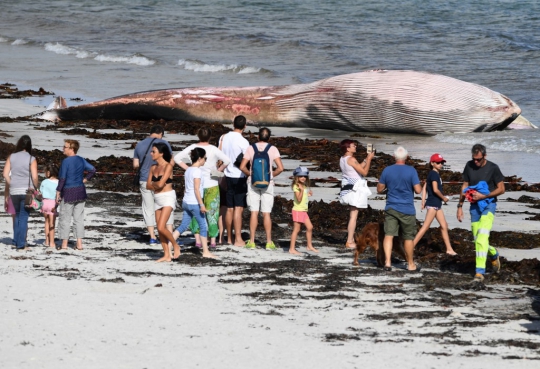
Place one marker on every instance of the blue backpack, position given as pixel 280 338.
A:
pixel 260 169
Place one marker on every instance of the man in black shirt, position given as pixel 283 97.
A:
pixel 488 181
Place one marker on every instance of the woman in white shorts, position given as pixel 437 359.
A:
pixel 160 181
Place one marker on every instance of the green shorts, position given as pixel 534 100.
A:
pixel 394 220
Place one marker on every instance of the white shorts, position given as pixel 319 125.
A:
pixel 164 199
pixel 260 199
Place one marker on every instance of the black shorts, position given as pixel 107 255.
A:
pixel 236 192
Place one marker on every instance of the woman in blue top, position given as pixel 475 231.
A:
pixel 433 204
pixel 71 193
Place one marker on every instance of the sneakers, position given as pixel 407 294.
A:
pixel 478 277
pixel 153 241
pixel 271 246
pixel 250 245
pixel 496 264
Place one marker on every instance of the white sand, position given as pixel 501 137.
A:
pixel 62 310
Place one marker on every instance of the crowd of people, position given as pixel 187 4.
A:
pixel 220 182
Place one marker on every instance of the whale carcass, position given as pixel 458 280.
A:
pixel 373 101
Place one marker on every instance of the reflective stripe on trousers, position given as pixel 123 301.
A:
pixel 481 230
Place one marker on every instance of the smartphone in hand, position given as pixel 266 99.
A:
pixel 369 148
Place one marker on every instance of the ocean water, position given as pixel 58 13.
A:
pixel 99 49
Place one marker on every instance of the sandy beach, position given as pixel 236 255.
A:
pixel 111 305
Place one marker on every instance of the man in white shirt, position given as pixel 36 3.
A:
pixel 233 144
pixel 261 198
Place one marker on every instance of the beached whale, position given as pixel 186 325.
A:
pixel 373 101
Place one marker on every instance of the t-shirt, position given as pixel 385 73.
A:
pixel 141 148
pixel 490 173
pixel 189 177
pixel 48 188
pixel 300 205
pixel 209 169
pixel 232 145
pixel 273 154
pixel 432 199
pixel 400 180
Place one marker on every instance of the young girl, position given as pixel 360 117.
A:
pixel 48 190
pixel 435 197
pixel 192 203
pixel 160 181
pixel 300 215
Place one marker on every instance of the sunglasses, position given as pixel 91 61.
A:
pixel 478 159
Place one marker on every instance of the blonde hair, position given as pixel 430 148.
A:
pixel 73 144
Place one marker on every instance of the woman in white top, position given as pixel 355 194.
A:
pixel 210 175
pixel 20 173
pixel 354 189
pixel 192 203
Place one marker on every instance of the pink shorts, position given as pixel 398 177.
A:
pixel 49 207
pixel 299 216
pixel 10 207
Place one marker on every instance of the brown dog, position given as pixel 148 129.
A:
pixel 373 235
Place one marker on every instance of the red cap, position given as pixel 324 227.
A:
pixel 437 158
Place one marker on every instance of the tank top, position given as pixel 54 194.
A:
pixel 347 170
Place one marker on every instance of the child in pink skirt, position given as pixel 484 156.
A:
pixel 300 215
pixel 48 190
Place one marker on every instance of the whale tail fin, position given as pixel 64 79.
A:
pixel 58 103
pixel 50 114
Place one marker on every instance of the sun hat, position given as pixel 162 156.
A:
pixel 301 171
pixel 437 158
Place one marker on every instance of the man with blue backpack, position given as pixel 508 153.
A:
pixel 262 156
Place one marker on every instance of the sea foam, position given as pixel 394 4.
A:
pixel 199 66
pixel 134 59
pixel 19 42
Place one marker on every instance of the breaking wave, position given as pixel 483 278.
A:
pixel 199 66
pixel 67 50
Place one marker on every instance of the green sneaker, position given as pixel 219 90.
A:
pixel 271 246
pixel 250 245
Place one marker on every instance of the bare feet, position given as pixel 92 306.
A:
pixel 311 248
pixel 209 255
pixel 176 254
pixel 350 245
pixel 163 259
pixel 294 252
pixel 453 253
pixel 240 244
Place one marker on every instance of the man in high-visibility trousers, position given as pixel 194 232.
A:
pixel 485 182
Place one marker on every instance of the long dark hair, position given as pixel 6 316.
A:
pixel 163 149
pixel 197 153
pixel 24 143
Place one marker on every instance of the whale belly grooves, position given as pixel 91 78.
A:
pixel 398 101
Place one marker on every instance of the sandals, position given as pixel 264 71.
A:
pixel 348 245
